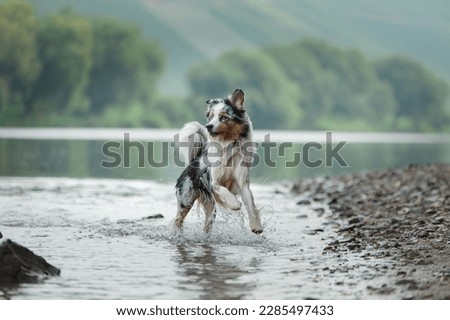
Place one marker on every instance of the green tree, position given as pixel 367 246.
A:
pixel 125 65
pixel 19 62
pixel 421 96
pixel 272 100
pixel 305 71
pixel 337 84
pixel 65 49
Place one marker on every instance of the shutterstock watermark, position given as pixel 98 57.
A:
pixel 268 153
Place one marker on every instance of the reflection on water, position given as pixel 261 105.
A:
pixel 200 266
pixel 72 158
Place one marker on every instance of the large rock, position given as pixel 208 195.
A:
pixel 20 265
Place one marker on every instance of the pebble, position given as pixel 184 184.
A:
pixel 423 262
pixel 438 220
pixel 304 202
pixel 355 220
pixel 423 234
pixel 406 282
pixel 155 216
pixel 319 210
pixel 353 246
pixel 404 211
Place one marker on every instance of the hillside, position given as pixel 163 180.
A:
pixel 193 31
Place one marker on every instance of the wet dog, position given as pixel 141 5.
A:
pixel 218 158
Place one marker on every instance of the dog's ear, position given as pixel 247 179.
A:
pixel 237 99
pixel 209 103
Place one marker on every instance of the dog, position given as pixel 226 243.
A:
pixel 218 158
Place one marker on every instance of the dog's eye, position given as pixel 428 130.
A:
pixel 223 118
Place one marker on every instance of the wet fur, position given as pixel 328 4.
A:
pixel 228 129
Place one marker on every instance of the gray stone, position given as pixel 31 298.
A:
pixel 155 216
pixel 20 265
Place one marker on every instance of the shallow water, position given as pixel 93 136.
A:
pixel 92 229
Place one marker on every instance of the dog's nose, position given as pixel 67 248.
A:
pixel 209 127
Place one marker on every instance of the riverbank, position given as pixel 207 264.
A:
pixel 402 215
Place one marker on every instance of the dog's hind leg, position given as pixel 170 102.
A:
pixel 210 212
pixel 185 199
pixel 181 214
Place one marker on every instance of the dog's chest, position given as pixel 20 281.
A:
pixel 223 165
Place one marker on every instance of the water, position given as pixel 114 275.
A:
pixel 79 153
pixel 58 201
pixel 93 230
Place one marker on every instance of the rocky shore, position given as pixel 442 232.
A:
pixel 402 215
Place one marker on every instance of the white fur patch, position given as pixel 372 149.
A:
pixel 191 138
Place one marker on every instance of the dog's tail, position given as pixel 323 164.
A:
pixel 190 141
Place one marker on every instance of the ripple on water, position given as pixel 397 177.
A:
pixel 93 230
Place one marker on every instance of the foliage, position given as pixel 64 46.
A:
pixel 64 66
pixel 65 50
pixel 68 70
pixel 340 89
pixel 337 83
pixel 272 99
pixel 124 65
pixel 420 95
pixel 19 62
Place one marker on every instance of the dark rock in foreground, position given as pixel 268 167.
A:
pixel 20 265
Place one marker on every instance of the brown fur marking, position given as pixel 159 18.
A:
pixel 227 182
pixel 229 131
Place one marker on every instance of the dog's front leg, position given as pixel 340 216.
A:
pixel 253 213
pixel 222 195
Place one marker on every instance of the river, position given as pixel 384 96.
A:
pixel 91 223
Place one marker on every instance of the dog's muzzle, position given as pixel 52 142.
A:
pixel 209 127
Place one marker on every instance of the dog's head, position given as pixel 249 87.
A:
pixel 226 118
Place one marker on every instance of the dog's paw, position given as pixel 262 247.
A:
pixel 257 231
pixel 255 225
pixel 232 202
pixel 235 204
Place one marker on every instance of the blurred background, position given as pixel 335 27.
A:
pixel 335 65
pixel 348 65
